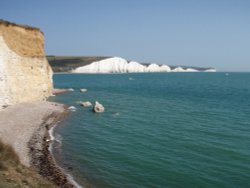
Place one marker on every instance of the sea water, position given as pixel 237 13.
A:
pixel 158 130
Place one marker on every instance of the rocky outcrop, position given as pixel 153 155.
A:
pixel 98 108
pixel 57 91
pixel 25 75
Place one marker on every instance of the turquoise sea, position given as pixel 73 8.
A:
pixel 159 130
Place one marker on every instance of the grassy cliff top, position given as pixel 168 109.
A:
pixel 68 63
pixel 24 40
pixel 7 23
pixel 14 174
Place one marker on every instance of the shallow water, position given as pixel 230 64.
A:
pixel 158 130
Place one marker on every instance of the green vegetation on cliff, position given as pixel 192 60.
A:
pixel 14 174
pixel 68 63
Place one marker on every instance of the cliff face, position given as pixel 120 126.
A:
pixel 25 75
pixel 120 65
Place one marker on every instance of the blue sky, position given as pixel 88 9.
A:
pixel 179 32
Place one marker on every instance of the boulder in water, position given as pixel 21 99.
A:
pixel 86 104
pixel 72 108
pixel 98 108
pixel 61 91
pixel 83 90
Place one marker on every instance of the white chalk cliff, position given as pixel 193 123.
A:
pixel 120 65
pixel 210 70
pixel 25 75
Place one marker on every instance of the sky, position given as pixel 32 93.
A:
pixel 203 33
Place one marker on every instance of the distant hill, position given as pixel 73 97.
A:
pixel 68 63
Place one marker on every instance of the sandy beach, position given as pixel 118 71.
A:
pixel 25 127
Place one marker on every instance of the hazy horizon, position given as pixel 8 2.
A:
pixel 191 33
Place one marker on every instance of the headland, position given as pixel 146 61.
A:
pixel 25 115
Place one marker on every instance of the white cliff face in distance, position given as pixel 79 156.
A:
pixel 120 65
pixel 210 70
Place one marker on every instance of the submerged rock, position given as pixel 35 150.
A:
pixel 130 78
pixel 72 108
pixel 98 108
pixel 83 90
pixel 79 102
pixel 56 91
pixel 86 104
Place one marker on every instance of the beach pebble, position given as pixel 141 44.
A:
pixel 98 108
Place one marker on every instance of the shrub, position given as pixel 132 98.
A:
pixel 7 153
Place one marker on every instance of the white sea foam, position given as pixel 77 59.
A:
pixel 72 108
pixel 58 139
pixel 72 181
pixel 51 138
pixel 51 133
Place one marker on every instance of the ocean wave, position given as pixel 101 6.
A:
pixel 55 137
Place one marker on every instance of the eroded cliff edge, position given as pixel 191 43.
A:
pixel 25 75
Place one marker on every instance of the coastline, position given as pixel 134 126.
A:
pixel 51 150
pixel 26 127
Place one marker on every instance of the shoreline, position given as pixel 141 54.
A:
pixel 26 128
pixel 41 156
pixel 50 148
